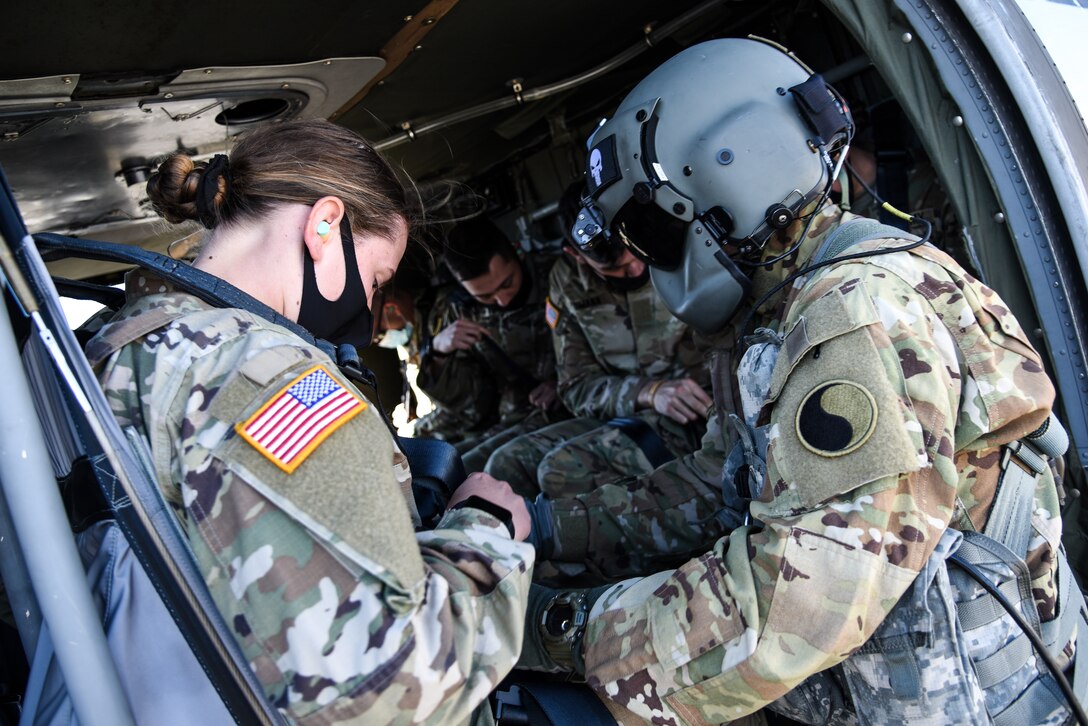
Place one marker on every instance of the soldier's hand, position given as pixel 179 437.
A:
pixel 544 396
pixel 683 401
pixel 458 335
pixel 498 493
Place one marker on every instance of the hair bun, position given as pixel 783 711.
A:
pixel 175 191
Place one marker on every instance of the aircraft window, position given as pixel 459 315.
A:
pixel 248 112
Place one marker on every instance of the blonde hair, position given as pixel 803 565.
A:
pixel 297 162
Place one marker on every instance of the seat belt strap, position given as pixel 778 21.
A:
pixel 560 704
pixel 1033 706
pixel 1009 521
pixel 207 287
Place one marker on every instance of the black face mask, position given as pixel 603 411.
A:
pixel 346 319
pixel 628 284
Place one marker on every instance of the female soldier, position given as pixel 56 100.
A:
pixel 290 488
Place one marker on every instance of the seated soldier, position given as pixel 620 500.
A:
pixel 627 368
pixel 490 364
pixel 403 322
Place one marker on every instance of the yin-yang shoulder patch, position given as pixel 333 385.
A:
pixel 836 418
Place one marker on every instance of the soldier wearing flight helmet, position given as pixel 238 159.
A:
pixel 881 401
pixel 632 374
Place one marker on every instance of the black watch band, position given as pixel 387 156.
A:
pixel 501 513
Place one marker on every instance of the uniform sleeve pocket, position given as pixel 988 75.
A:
pixel 696 614
pixel 825 318
pixel 839 424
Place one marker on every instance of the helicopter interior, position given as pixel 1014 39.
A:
pixel 486 107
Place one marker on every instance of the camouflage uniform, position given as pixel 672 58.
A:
pixel 343 611
pixel 932 374
pixel 608 346
pixel 477 389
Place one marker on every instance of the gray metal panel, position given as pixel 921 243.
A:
pixel 1048 108
pixel 66 141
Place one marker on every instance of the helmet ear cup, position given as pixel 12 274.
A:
pixel 779 216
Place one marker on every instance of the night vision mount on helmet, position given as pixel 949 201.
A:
pixel 719 147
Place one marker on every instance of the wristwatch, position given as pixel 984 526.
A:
pixel 562 625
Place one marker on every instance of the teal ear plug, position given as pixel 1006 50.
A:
pixel 323 229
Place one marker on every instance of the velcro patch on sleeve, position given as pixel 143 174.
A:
pixel 828 317
pixel 551 313
pixel 839 423
pixel 292 424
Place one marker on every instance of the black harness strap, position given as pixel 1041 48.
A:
pixel 547 703
pixel 198 283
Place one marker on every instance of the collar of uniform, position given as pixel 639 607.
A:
pixel 583 274
pixel 592 287
pixel 763 279
pixel 142 282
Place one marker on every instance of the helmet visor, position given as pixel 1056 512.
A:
pixel 605 250
pixel 652 234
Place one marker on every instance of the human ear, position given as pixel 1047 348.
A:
pixel 327 210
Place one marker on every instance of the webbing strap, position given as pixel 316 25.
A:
pixel 198 283
pixel 1043 696
pixel 1009 521
pixel 1008 661
pixel 1051 439
pixel 981 551
pixel 568 703
pixel 212 290
pixel 118 337
pixel 1072 617
pixel 984 610
pixel 1059 631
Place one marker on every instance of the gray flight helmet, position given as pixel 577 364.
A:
pixel 713 148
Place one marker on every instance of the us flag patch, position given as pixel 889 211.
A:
pixel 297 419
